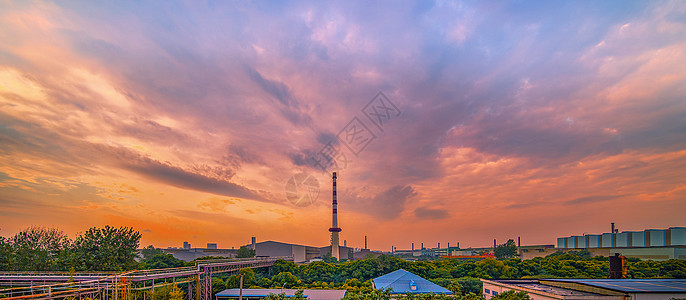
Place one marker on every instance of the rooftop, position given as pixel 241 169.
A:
pixel 633 285
pixel 401 282
pixel 261 293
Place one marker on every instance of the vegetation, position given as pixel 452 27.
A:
pixel 245 252
pixel 49 249
pixel 507 250
pixel 114 249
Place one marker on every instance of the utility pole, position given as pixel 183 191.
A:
pixel 240 291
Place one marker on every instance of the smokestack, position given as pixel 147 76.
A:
pixel 345 243
pixel 519 246
pixel 494 244
pixel 458 245
pixel 448 245
pixel 422 246
pixel 412 246
pixel 254 241
pixel 334 222
pixel 365 242
pixel 439 245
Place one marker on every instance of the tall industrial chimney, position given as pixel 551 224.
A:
pixel 412 246
pixel 334 223
pixel 365 242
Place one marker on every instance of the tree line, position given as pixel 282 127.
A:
pixel 49 249
pixel 116 249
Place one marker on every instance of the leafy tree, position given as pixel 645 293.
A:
pixel 512 295
pixel 233 282
pixel 150 251
pixel 5 254
pixel 283 266
pixel 107 249
pixel 218 285
pixel 328 258
pixel 507 250
pixel 162 261
pixel 169 292
pixel 286 279
pixel 38 249
pixel 245 252
pixel 470 285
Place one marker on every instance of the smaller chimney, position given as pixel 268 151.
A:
pixel 254 241
pixel 439 245
pixel 365 242
pixel 422 246
pixel 412 246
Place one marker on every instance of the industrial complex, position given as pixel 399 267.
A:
pixel 653 244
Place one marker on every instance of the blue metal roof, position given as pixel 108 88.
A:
pixel 633 285
pixel 401 282
pixel 261 293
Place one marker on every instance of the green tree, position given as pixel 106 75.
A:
pixel 218 285
pixel 328 258
pixel 507 250
pixel 5 254
pixel 169 292
pixel 162 261
pixel 38 249
pixel 285 279
pixel 107 249
pixel 150 251
pixel 245 252
pixel 233 282
pixel 281 265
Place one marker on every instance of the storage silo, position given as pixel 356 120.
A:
pixel 562 242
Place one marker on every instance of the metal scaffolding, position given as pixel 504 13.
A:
pixel 126 285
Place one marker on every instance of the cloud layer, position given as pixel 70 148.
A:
pixel 186 120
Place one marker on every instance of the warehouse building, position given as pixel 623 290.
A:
pixel 590 289
pixel 252 294
pixel 653 244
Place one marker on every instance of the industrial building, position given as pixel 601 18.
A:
pixel 189 254
pixel 653 244
pixel 249 294
pixel 591 289
pixel 300 253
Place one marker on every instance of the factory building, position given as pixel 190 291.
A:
pixel 300 253
pixel 189 254
pixel 653 244
pixel 591 289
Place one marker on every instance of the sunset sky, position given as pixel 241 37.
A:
pixel 186 120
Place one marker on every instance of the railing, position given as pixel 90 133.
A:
pixel 106 285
